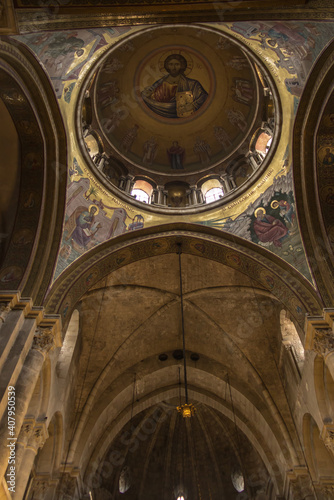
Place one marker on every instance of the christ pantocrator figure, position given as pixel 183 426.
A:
pixel 175 95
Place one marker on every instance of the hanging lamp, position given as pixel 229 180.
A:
pixel 187 410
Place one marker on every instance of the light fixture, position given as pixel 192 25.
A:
pixel 187 410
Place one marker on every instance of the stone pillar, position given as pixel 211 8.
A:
pixel 36 439
pixel 154 197
pixel 193 195
pixel 231 181
pixel 225 183
pixel 129 181
pixel 320 337
pixel 101 162
pixel 252 157
pixel 251 161
pixel 43 341
pixel 266 127
pixel 160 195
pixel 200 197
pixel 121 183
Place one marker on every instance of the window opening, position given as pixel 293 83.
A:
pixel 140 195
pixel 213 195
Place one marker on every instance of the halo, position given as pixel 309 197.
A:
pixel 260 209
pixel 274 204
pixel 97 208
pixel 186 55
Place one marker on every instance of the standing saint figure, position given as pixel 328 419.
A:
pixel 129 139
pixel 176 156
pixel 150 151
pixel 222 137
pixel 175 95
pixel 203 150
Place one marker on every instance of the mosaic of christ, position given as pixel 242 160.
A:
pixel 175 95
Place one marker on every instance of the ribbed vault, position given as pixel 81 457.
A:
pixel 131 317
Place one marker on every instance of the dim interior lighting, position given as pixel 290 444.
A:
pixel 181 497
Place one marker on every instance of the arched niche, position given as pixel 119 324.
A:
pixel 31 249
pixel 319 459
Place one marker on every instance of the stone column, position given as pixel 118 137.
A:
pixel 43 341
pixel 121 183
pixel 101 162
pixel 160 195
pixel 225 183
pixel 320 338
pixel 253 161
pixel 129 181
pixel 200 197
pixel 36 440
pixel 193 195
pixel 266 127
pixel 231 181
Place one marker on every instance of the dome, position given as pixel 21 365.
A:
pixel 176 107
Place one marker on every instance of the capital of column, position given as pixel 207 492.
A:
pixel 67 486
pixel 319 334
pixel 43 340
pixel 328 489
pixel 38 436
pixel 299 483
pixel 323 342
pixel 4 310
pixel 40 486
pixel 327 435
pixel 26 431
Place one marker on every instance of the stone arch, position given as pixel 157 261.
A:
pixel 69 345
pixel 26 91
pixel 270 457
pixel 281 280
pixel 319 250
